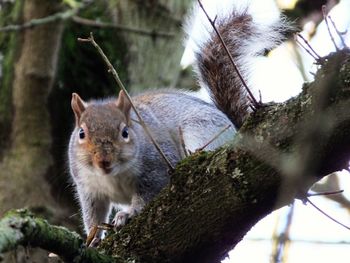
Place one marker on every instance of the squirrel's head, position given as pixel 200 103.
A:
pixel 104 138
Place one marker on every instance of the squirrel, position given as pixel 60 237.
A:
pixel 111 158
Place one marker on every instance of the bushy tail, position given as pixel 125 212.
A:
pixel 248 31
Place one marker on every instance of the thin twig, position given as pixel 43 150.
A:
pixel 340 34
pixel 251 107
pixel 325 193
pixel 308 51
pixel 145 32
pixel 325 214
pixel 132 119
pixel 121 85
pixel 324 12
pixel 74 215
pixel 105 226
pixel 281 248
pixel 91 235
pixel 94 230
pixel 260 97
pixel 314 55
pixel 182 142
pixel 213 139
pixel 212 22
pixel 321 242
pixel 60 16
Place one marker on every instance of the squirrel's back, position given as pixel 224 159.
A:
pixel 173 110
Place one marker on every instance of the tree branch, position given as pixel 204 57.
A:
pixel 45 20
pixel 21 228
pixel 72 14
pixel 140 31
pixel 215 198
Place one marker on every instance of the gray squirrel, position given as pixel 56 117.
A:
pixel 112 160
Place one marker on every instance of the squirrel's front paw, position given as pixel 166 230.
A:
pixel 121 218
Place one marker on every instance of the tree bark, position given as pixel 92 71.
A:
pixel 9 13
pixel 214 198
pixel 25 163
pixel 21 227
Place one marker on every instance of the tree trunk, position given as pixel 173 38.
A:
pixel 9 13
pixel 153 61
pixel 25 163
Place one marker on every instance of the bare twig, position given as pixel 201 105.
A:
pixel 182 141
pixel 94 231
pixel 121 85
pixel 340 34
pixel 144 32
pixel 299 60
pixel 260 97
pixel 214 138
pixel 283 241
pixel 256 104
pixel 105 226
pixel 325 214
pixel 135 120
pixel 72 14
pixel 91 235
pixel 45 20
pixel 325 193
pixel 325 16
pixel 311 51
pixel 306 241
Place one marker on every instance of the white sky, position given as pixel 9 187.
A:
pixel 279 78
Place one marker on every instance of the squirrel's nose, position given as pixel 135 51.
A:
pixel 105 165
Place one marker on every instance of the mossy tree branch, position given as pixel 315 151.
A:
pixel 21 228
pixel 214 198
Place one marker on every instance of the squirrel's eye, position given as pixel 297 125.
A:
pixel 81 134
pixel 125 133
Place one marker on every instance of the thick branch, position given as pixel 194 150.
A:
pixel 215 198
pixel 21 228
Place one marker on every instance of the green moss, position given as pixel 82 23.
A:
pixel 20 227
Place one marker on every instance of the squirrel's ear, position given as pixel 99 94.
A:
pixel 124 105
pixel 78 106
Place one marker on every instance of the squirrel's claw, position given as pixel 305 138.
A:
pixel 120 219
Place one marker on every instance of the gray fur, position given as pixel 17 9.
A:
pixel 109 169
pixel 144 173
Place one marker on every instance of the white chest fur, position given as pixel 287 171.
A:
pixel 118 188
